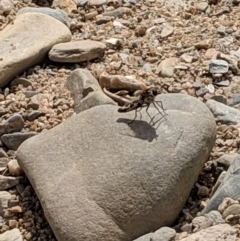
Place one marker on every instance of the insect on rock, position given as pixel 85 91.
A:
pixel 146 98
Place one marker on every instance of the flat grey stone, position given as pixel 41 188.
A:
pixel 34 115
pixel 223 83
pixel 30 94
pixel 202 91
pixel 7 182
pixel 93 99
pixel 86 91
pixel 55 13
pixel 21 81
pixel 217 66
pixel 103 19
pixel 27 42
pixel 220 98
pixel 76 51
pixel 234 100
pixel 226 160
pixel 122 180
pixel 12 124
pixel 223 113
pixel 14 140
pixel 230 187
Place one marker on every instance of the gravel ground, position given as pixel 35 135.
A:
pixel 147 33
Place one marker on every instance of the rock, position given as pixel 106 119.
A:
pixel 118 173
pixel 113 42
pixel 3 153
pixel 11 235
pixel 2 111
pixel 202 6
pixel 186 58
pixel 7 182
pixel 4 199
pixel 220 232
pixel 234 100
pixel 40 101
pixel 5 7
pixel 234 209
pixel 97 3
pixel 66 5
pixel 229 187
pixel 146 237
pixel 167 31
pixel 119 12
pixel 12 223
pixel 12 124
pixel 21 81
pixel 221 30
pixel 159 20
pixel 14 140
pixel 55 13
pixel 77 51
pixel 223 112
pixel 14 168
pixel 119 82
pixel 220 98
pixel 15 209
pixel 34 115
pixel 205 44
pixel 90 15
pixel 86 91
pixel 30 94
pixel 201 222
pixel 215 216
pixel 226 160
pixel 3 163
pixel 232 61
pixel 164 234
pixel 166 67
pixel 28 43
pixel 223 83
pixel 103 19
pixel 211 53
pixel 217 66
pixel 140 30
pixel 201 92
pixel 93 99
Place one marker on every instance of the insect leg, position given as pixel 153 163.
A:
pixel 136 111
pixel 159 103
pixel 159 110
pixel 151 118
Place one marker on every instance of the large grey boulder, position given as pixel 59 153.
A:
pixel 27 42
pixel 100 179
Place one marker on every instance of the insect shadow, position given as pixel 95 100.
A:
pixel 142 129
